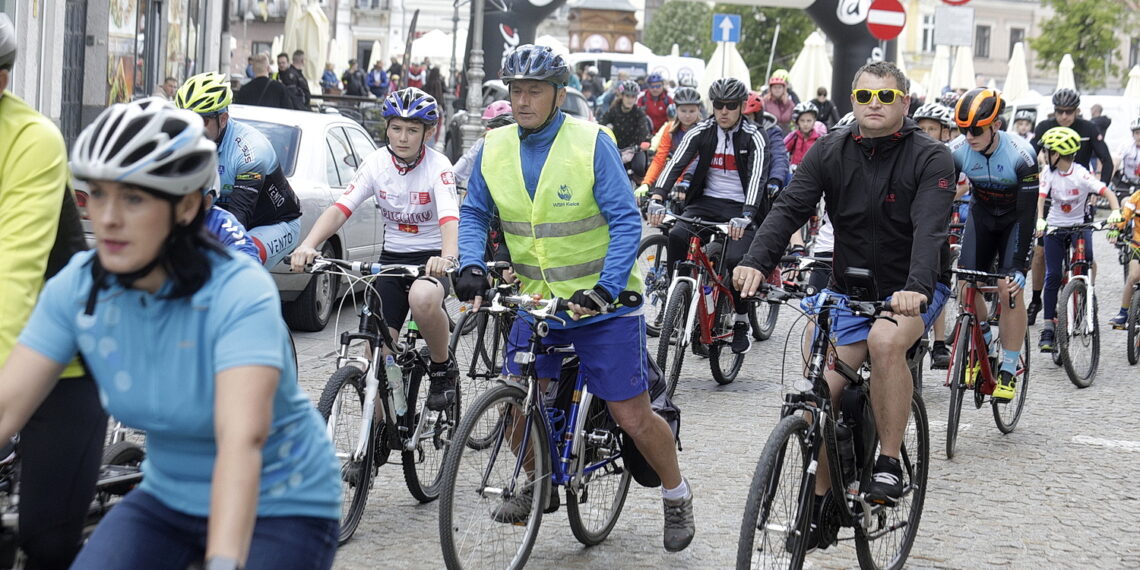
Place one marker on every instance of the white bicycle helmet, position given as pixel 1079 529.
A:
pixel 147 143
pixel 936 112
pixel 848 119
pixel 1135 125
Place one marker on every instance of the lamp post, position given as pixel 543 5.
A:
pixel 473 128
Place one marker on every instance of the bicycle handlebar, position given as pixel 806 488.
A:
pixel 873 309
pixel 322 264
pixel 974 275
pixel 720 227
pixel 545 308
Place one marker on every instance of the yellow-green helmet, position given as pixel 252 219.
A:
pixel 205 93
pixel 1062 140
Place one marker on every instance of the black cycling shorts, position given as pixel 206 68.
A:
pixel 394 290
pixel 987 237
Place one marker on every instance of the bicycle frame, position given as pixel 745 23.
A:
pixel 1076 265
pixel 978 355
pixel 696 260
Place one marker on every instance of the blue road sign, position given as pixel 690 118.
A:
pixel 726 28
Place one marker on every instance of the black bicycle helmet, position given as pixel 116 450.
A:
pixel 501 120
pixel 728 89
pixel 628 87
pixel 538 63
pixel 1067 98
pixel 687 96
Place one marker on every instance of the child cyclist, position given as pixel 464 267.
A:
pixel 688 102
pixel 800 140
pixel 1131 214
pixel 1069 186
pixel 414 188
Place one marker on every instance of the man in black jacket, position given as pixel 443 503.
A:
pixel 726 186
pixel 263 90
pixel 1066 103
pixel 888 190
pixel 293 77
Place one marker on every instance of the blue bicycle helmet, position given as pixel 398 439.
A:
pixel 654 78
pixel 414 104
pixel 538 63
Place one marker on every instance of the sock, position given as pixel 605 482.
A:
pixel 888 463
pixel 987 334
pixel 681 492
pixel 1036 296
pixel 1009 360
pixel 741 318
pixel 1050 324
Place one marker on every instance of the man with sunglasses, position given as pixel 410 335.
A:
pixel 1003 210
pixel 888 189
pixel 655 101
pixel 726 186
pixel 253 186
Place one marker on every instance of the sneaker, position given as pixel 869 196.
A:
pixel 741 337
pixel 1120 320
pixel 1005 389
pixel 939 356
pixel 887 483
pixel 516 510
pixel 1046 342
pixel 679 524
pixel 1032 309
pixel 699 349
pixel 442 378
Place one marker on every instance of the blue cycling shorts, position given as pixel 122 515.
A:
pixel 612 354
pixel 847 328
pixel 275 241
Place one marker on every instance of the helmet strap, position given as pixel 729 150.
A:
pixel 403 166
pixel 993 142
pixel 127 280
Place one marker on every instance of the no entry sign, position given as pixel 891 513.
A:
pixel 885 19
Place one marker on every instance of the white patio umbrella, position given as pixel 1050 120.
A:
pixel 962 76
pixel 811 69
pixel 337 56
pixel 725 62
pixel 939 75
pixel 376 56
pixel 1065 79
pixel 293 14
pixel 312 33
pixel 1132 89
pixel 1017 76
pixel 275 49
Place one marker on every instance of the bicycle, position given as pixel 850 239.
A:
pixel 974 366
pixel 363 434
pixel 711 311
pixel 1078 325
pixel 1133 326
pixel 781 497
pixel 536 439
pixel 479 339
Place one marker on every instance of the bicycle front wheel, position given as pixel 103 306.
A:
pixel 653 259
pixel 1133 325
pixel 491 499
pixel 778 511
pixel 725 363
pixel 342 407
pixel 763 318
pixel 1007 413
pixel 959 378
pixel 594 501
pixel 432 431
pixel 1078 334
pixel 673 335
pixel 887 541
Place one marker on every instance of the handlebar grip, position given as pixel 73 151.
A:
pixel 922 307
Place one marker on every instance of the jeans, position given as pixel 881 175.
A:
pixel 275 241
pixel 1056 243
pixel 141 532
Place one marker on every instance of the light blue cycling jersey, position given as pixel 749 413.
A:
pixel 224 226
pixel 243 149
pixel 155 361
pixel 997 179
pixel 252 185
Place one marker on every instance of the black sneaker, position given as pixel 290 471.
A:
pixel 1032 309
pixel 939 356
pixel 1047 340
pixel 741 337
pixel 442 377
pixel 814 539
pixel 887 483
pixel 699 349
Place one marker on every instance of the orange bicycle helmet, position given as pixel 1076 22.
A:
pixel 978 107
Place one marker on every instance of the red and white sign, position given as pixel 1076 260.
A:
pixel 955 2
pixel 885 19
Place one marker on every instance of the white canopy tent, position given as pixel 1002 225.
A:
pixel 812 68
pixel 962 76
pixel 939 75
pixel 1017 76
pixel 725 62
pixel 1065 79
pixel 1132 89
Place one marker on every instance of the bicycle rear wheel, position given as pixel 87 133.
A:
pixel 1006 414
pixel 422 464
pixel 762 317
pixel 886 543
pixel 673 335
pixel 478 484
pixel 778 511
pixel 1078 339
pixel 725 363
pixel 595 500
pixel 342 407
pixel 959 375
pixel 1133 325
pixel 653 259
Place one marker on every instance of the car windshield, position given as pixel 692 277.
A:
pixel 285 140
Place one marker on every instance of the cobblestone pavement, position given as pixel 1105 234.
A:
pixel 1056 493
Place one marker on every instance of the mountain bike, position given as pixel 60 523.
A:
pixel 1078 325
pixel 370 410
pixel 1132 325
pixel 538 438
pixel 781 498
pixel 974 366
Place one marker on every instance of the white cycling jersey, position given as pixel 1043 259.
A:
pixel 413 204
pixel 1130 162
pixel 1070 193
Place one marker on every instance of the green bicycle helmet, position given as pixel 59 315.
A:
pixel 1062 140
pixel 205 93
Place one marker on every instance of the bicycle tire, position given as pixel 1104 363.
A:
pixel 655 272
pixel 461 526
pixel 959 368
pixel 594 504
pixel 1073 313
pixel 881 551
pixel 1007 414
pixel 725 364
pixel 469 344
pixel 763 329
pixel 422 465
pixel 673 335
pixel 1133 326
pixel 781 514
pixel 356 476
pixel 125 453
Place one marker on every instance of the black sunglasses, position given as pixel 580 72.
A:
pixel 730 105
pixel 975 131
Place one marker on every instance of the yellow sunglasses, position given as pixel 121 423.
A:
pixel 885 96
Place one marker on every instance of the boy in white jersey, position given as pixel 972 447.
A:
pixel 414 187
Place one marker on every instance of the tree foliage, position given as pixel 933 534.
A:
pixel 759 25
pixel 676 22
pixel 1084 29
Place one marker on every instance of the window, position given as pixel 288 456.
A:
pixel 361 143
pixel 928 33
pixel 982 41
pixel 1134 52
pixel 1016 36
pixel 342 158
pixel 263 47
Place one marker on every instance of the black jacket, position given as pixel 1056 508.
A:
pixel 1092 142
pixel 749 144
pixel 297 86
pixel 828 114
pixel 888 198
pixel 265 92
